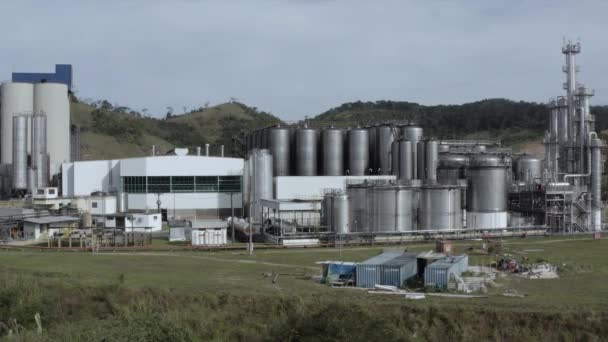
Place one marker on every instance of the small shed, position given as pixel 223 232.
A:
pixel 179 230
pixel 37 227
pixel 209 232
pixel 389 268
pixel 439 274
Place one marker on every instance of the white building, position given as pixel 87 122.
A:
pixel 181 186
pixel 209 233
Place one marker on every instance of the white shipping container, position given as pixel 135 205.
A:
pixel 209 237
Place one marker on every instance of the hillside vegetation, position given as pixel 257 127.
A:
pixel 510 121
pixel 109 131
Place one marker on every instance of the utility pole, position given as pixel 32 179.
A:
pixel 232 219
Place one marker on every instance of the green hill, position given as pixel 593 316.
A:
pixel 117 132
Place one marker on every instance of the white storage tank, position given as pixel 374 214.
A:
pixel 52 99
pixel 16 99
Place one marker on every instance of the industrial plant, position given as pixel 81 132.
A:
pixel 298 185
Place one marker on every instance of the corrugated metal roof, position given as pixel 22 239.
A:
pixel 51 219
pixel 448 261
pixel 402 259
pixel 381 258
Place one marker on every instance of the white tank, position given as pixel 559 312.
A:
pixel 52 100
pixel 15 99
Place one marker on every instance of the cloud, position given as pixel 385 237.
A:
pixel 297 58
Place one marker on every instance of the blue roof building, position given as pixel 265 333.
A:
pixel 62 74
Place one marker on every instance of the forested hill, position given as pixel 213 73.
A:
pixel 508 120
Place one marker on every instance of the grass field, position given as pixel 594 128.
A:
pixel 183 292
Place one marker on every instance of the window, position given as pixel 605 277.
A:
pixel 159 184
pixel 40 192
pixel 93 205
pixel 206 184
pixel 134 184
pixel 182 184
pixel 155 218
pixel 51 191
pixel 230 183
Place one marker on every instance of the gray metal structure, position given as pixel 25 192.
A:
pixel 40 157
pixel 528 169
pixel 358 207
pixel 406 163
pixel 340 214
pixel 306 151
pixel 358 152
pixel 414 134
pixel 20 175
pixel 332 155
pixel 451 167
pixel 487 188
pixel 279 144
pixel 440 208
pixel 384 140
pixel 431 158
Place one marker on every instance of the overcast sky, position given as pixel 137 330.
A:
pixel 302 57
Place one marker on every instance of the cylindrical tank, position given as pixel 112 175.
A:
pixel 279 146
pixel 373 151
pixel 31 180
pixel 444 148
pixel 265 139
pixel 359 211
pixel 405 160
pixel 332 140
pixel 420 155
pixel 395 158
pixel 554 122
pixel 262 181
pixel 19 158
pixel 16 99
pixel 39 150
pixel 440 208
pixel 306 152
pixel 383 209
pixel 340 214
pixel 562 120
pixel 414 134
pixel 487 191
pixel 451 167
pixel 327 210
pixel 528 169
pixel 596 183
pixel 358 152
pixel 384 139
pixel 52 99
pixel 407 199
pixel 431 157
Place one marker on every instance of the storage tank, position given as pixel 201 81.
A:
pixel 451 167
pixel 327 210
pixel 406 163
pixel 358 152
pixel 340 221
pixel 19 153
pixel 487 192
pixel 407 200
pixel 15 99
pixel 51 99
pixel 359 212
pixel 414 134
pixel 31 181
pixel 421 159
pixel 39 150
pixel 395 158
pixel 528 169
pixel 383 209
pixel 384 140
pixel 280 148
pixel 306 151
pixel 332 153
pixel 262 181
pixel 431 158
pixel 440 208
pixel 373 151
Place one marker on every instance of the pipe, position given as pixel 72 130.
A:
pixel 207 150
pixel 221 150
pixel 198 151
pixel 153 150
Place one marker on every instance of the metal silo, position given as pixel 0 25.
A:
pixel 52 100
pixel 332 152
pixel 358 152
pixel 262 181
pixel 451 167
pixel 487 192
pixel 15 99
pixel 373 152
pixel 405 160
pixel 359 211
pixel 440 208
pixel 383 208
pixel 528 169
pixel 384 139
pixel 39 150
pixel 280 148
pixel 306 151
pixel 420 160
pixel 431 156
pixel 31 180
pixel 395 158
pixel 19 153
pixel 327 210
pixel 340 214
pixel 414 134
pixel 407 199
pixel 444 148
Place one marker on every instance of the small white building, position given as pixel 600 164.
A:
pixel 42 227
pixel 209 233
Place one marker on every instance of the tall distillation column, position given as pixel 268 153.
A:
pixel 570 50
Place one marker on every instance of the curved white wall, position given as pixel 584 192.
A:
pixel 15 99
pixel 52 99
